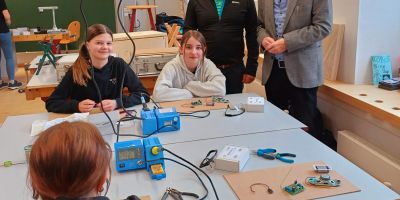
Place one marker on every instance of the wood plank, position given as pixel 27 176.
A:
pixel 39 37
pixel 141 6
pixel 332 47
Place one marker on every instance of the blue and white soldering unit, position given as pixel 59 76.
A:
pixel 138 154
pixel 160 120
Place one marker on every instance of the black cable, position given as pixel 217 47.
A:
pixel 121 95
pixel 107 187
pixel 123 28
pixel 123 75
pixel 242 110
pixel 84 18
pixel 91 67
pixel 194 114
pixel 209 179
pixel 209 158
pixel 201 181
pixel 144 136
pixel 157 104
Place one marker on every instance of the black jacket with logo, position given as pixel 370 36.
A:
pixel 225 44
pixel 67 95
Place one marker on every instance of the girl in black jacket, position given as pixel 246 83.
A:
pixel 77 92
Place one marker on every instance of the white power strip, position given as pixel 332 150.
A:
pixel 255 104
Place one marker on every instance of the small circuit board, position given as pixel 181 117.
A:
pixel 294 188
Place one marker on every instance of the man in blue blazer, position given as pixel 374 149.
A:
pixel 290 33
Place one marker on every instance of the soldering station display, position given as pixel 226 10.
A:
pixel 129 153
pixel 138 154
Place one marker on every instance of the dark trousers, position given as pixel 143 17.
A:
pixel 301 102
pixel 234 76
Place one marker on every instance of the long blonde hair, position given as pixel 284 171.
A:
pixel 80 72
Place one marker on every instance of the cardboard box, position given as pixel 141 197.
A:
pixel 232 158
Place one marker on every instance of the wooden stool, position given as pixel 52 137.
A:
pixel 141 7
pixel 173 34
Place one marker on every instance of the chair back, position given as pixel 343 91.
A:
pixel 74 29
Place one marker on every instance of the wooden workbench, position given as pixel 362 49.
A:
pixel 42 85
pixel 39 37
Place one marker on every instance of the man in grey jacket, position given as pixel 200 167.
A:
pixel 290 33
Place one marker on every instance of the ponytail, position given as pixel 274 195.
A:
pixel 80 68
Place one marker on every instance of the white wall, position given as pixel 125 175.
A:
pixel 346 12
pixel 122 14
pixel 171 7
pixel 372 27
pixel 378 33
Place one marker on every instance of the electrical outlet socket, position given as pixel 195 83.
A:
pixel 255 104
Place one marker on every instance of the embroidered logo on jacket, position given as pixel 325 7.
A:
pixel 113 81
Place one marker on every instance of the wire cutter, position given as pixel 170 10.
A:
pixel 271 154
pixel 177 195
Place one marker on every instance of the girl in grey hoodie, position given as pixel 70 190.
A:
pixel 189 74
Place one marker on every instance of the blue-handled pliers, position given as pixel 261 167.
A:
pixel 266 153
pixel 271 154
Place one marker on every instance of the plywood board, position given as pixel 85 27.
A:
pixel 145 198
pixel 332 47
pixel 186 105
pixel 279 177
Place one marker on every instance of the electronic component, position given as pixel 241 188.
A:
pixel 138 154
pixel 196 103
pixel 129 155
pixel 323 180
pixel 155 164
pixel 322 168
pixel 294 188
pixel 210 103
pixel 219 100
pixel 160 120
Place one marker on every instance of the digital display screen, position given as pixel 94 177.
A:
pixel 129 153
pixel 168 123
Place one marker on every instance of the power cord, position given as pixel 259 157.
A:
pixel 141 136
pixel 195 114
pixel 201 181
pixel 209 179
pixel 237 111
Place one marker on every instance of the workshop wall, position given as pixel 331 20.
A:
pixel 25 13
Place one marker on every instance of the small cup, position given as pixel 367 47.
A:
pixel 27 150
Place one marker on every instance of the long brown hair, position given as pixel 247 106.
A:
pixel 80 72
pixel 199 37
pixel 68 160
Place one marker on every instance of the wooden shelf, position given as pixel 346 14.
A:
pixel 380 103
